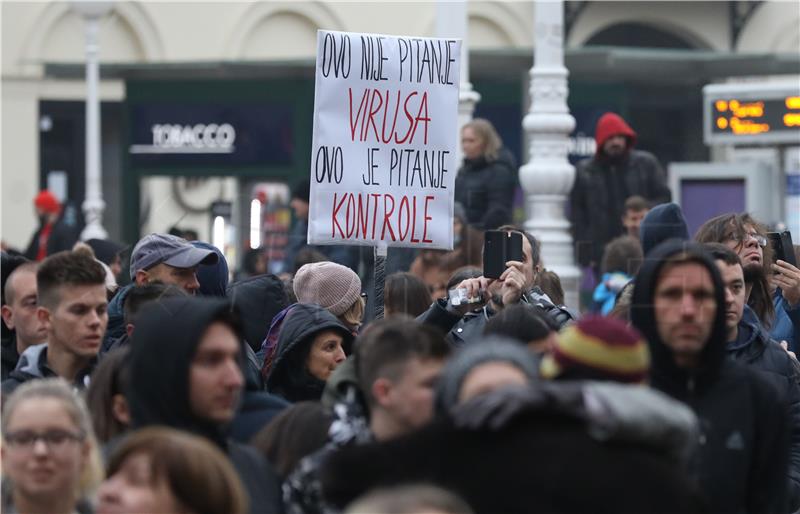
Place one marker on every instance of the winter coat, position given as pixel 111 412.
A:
pixel 742 457
pixel 486 190
pixel 786 326
pixel 287 375
pixel 754 347
pixel 32 364
pixel 545 459
pixel 258 299
pixel 601 187
pixel 163 347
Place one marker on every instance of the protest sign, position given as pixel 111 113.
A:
pixel 385 133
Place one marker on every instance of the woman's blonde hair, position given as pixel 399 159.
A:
pixel 485 131
pixel 58 389
pixel 354 315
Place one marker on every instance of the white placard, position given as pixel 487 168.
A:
pixel 385 133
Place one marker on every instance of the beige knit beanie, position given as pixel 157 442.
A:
pixel 330 285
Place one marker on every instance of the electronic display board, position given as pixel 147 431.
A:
pixel 757 113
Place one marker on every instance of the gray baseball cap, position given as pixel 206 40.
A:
pixel 177 252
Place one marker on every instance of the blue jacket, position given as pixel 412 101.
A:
pixel 787 321
pixel 605 294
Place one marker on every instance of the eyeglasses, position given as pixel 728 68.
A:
pixel 53 439
pixel 761 240
pixel 364 297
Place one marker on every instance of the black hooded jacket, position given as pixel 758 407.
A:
pixel 741 460
pixel 288 376
pixel 258 299
pixel 166 338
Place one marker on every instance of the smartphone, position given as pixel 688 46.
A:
pixel 782 246
pixel 500 247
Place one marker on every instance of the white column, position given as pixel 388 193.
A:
pixel 548 176
pixel 93 205
pixel 452 22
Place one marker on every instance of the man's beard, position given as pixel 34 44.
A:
pixel 753 273
pixel 616 157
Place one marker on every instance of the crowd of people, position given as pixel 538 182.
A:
pixel 677 390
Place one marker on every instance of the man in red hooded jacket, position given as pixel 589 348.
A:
pixel 604 182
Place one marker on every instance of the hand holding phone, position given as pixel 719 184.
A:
pixel 786 274
pixel 782 246
pixel 499 247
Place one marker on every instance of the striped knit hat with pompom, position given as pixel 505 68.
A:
pixel 598 348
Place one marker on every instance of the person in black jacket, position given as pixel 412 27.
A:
pixel 485 183
pixel 186 373
pixel 311 344
pixel 464 323
pixel 741 460
pixel 749 343
pixel 604 182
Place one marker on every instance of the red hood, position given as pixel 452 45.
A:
pixel 611 124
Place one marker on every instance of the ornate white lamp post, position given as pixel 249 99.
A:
pixel 94 205
pixel 548 176
pixel 452 22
